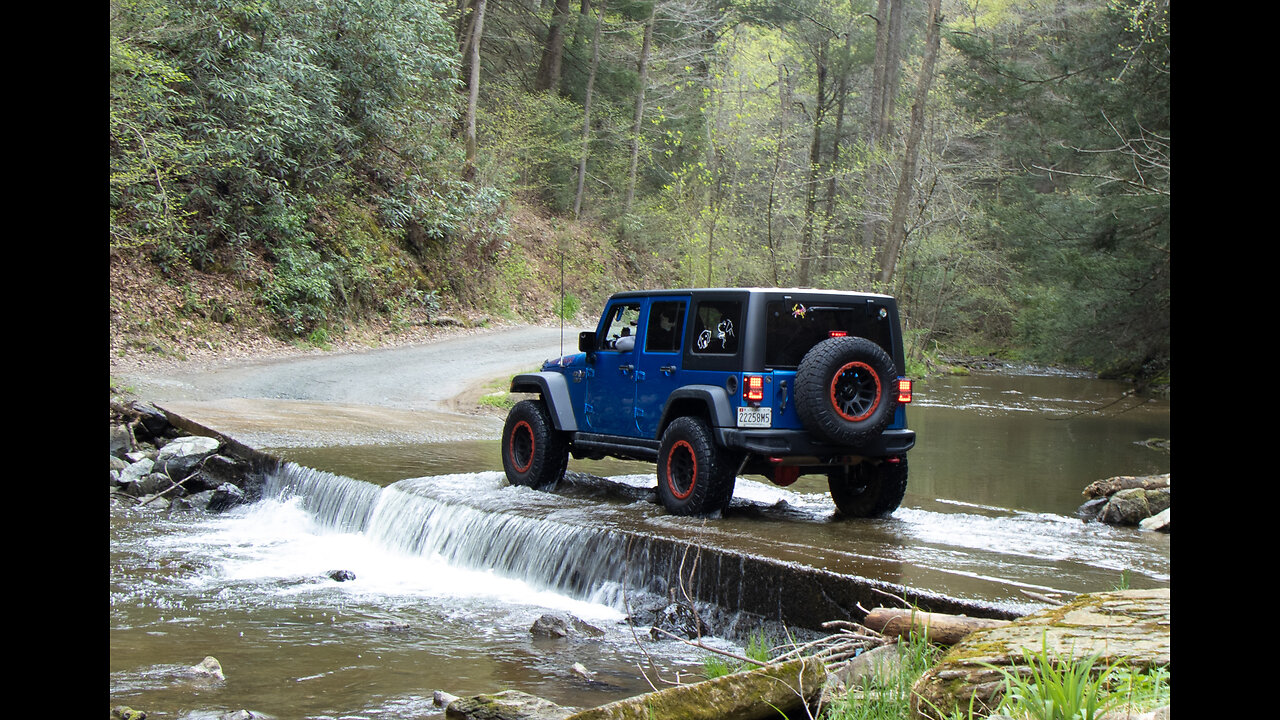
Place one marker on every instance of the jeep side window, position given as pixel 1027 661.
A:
pixel 715 329
pixel 623 318
pixel 666 327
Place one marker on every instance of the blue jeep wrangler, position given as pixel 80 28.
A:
pixel 715 383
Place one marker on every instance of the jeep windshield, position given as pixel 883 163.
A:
pixel 793 326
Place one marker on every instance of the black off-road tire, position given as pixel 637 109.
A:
pixel 534 453
pixel 846 390
pixel 868 489
pixel 695 476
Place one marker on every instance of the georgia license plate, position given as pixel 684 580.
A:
pixel 749 417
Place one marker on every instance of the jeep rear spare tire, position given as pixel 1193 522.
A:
pixel 845 390
pixel 534 453
pixel 695 477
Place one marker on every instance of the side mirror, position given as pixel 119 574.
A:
pixel 586 341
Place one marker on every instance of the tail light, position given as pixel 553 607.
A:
pixel 837 333
pixel 904 390
pixel 753 388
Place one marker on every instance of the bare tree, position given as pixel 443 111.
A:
pixel 586 112
pixel 639 114
pixel 897 233
pixel 473 89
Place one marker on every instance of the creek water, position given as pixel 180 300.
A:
pixel 453 566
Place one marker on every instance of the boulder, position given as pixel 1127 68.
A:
pixel 555 625
pixel 180 458
pixel 1159 521
pixel 1125 626
pixel 680 620
pixel 225 497
pixel 208 667
pixel 121 441
pixel 1132 506
pixel 135 471
pixel 877 667
pixel 151 419
pixel 506 705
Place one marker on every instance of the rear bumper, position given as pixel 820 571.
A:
pixel 776 443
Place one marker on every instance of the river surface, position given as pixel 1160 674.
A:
pixel 443 598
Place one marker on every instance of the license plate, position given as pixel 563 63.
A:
pixel 750 417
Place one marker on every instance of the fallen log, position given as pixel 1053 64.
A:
pixel 759 694
pixel 940 628
pixel 1113 485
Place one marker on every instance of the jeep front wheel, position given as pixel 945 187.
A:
pixel 534 453
pixel 695 477
pixel 868 489
pixel 844 390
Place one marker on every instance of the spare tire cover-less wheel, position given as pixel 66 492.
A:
pixel 695 476
pixel 845 390
pixel 534 453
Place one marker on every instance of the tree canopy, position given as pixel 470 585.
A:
pixel 1002 167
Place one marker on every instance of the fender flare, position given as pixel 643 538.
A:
pixel 713 397
pixel 554 389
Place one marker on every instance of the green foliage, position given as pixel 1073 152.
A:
pixel 759 648
pixel 1080 102
pixel 888 698
pixel 1047 688
pixel 232 121
pixel 567 307
pixel 322 138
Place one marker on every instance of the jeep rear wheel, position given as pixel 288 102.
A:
pixel 695 477
pixel 534 453
pixel 844 390
pixel 868 489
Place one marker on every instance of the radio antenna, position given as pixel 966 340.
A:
pixel 561 313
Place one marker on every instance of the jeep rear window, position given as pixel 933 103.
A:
pixel 793 327
pixel 715 328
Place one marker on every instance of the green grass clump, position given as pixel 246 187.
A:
pixel 889 696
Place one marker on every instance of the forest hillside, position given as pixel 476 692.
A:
pixel 317 171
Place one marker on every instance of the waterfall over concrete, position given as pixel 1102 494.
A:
pixel 477 521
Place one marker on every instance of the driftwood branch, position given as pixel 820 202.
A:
pixel 938 627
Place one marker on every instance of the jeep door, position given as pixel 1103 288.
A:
pixel 658 365
pixel 610 393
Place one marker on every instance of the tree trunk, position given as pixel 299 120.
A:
pixel 548 77
pixel 815 164
pixel 586 113
pixel 942 629
pixel 473 92
pixel 897 234
pixel 884 87
pixel 639 114
pixel 842 92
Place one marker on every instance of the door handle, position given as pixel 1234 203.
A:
pixel 668 369
pixel 626 368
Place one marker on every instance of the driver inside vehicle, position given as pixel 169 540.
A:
pixel 627 342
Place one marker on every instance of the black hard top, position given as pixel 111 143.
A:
pixel 745 290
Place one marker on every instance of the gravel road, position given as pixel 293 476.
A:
pixel 401 394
